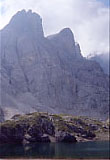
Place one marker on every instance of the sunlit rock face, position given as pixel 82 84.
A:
pixel 48 73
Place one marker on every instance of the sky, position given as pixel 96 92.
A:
pixel 88 19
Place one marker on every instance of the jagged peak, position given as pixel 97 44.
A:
pixel 26 21
pixel 64 34
pixel 25 13
pixel 65 39
pixel 67 33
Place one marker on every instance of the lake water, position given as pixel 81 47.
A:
pixel 57 150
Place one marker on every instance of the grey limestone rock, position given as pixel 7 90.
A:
pixel 48 73
pixel 103 59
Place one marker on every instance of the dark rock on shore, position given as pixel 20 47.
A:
pixel 65 137
pixel 29 139
pixel 11 133
pixel 89 135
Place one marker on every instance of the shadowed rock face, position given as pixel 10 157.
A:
pixel 48 74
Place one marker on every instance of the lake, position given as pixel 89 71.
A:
pixel 57 150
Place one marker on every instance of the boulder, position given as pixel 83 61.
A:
pixel 88 135
pixel 65 137
pixel 45 138
pixel 10 134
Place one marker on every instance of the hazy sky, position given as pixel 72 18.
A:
pixel 88 19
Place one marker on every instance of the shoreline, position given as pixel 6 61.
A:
pixel 83 141
pixel 53 159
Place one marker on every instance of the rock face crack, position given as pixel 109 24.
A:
pixel 23 71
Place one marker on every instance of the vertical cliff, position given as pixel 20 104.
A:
pixel 48 73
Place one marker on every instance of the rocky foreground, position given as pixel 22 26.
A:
pixel 44 127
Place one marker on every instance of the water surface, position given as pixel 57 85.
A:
pixel 57 150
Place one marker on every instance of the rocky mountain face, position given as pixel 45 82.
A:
pixel 48 73
pixel 103 60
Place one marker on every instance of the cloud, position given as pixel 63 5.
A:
pixel 88 19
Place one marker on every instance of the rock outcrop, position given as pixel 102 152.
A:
pixel 44 127
pixel 48 73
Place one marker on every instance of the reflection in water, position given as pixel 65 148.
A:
pixel 56 150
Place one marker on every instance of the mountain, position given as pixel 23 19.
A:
pixel 103 60
pixel 48 73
